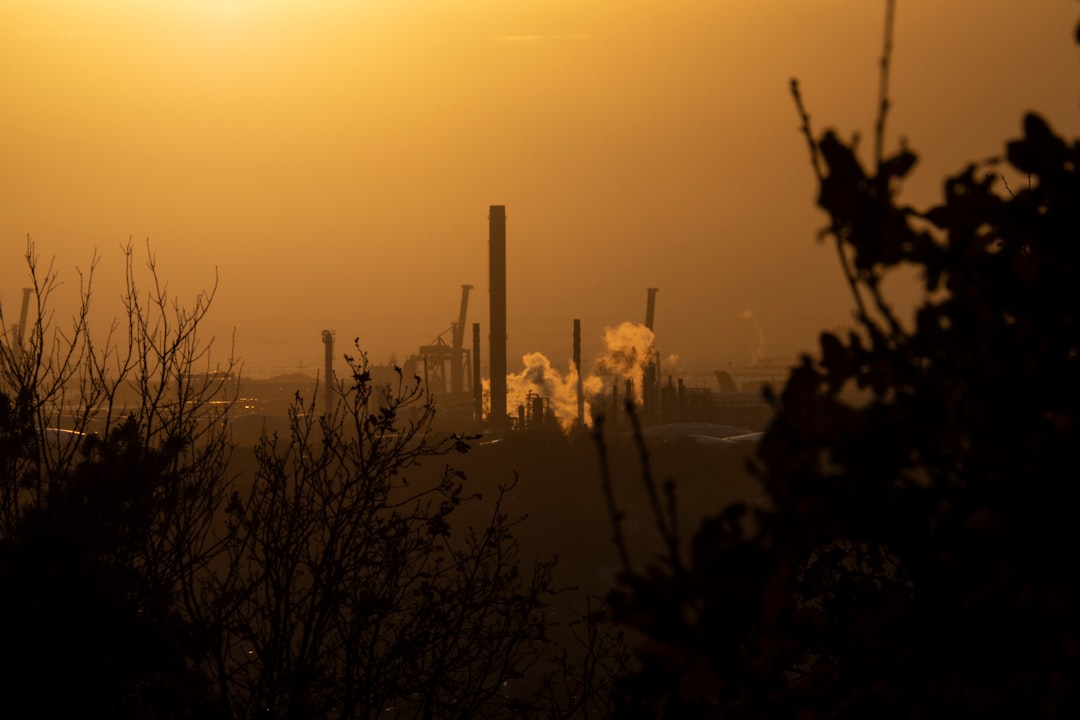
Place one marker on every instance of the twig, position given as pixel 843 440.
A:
pixel 1007 188
pixel 665 524
pixel 819 173
pixel 609 496
pixel 883 87
pixel 815 155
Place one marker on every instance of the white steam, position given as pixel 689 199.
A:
pixel 757 357
pixel 628 348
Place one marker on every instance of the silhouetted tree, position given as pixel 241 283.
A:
pixel 112 464
pixel 347 590
pixel 89 621
pixel 142 575
pixel 65 383
pixel 917 556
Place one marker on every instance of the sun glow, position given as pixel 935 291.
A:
pixel 300 144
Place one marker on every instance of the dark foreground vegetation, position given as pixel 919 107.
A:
pixel 340 568
pixel 907 549
pixel 917 556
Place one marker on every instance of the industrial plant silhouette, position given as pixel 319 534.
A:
pixel 885 528
pixel 540 397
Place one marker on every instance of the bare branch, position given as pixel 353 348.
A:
pixel 883 86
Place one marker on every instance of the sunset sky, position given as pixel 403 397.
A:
pixel 334 160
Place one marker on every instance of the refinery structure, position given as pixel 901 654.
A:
pixel 540 397
pixel 628 377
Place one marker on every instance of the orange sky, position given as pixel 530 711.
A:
pixel 334 160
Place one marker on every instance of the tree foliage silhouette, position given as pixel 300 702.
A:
pixel 917 555
pixel 89 612
pixel 145 571
pixel 113 457
pixel 345 588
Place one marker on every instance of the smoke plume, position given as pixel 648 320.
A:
pixel 539 377
pixel 757 357
pixel 628 348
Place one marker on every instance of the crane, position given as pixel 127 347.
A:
pixel 457 348
pixel 437 354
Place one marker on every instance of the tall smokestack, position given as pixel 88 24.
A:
pixel 328 398
pixel 20 330
pixel 497 339
pixel 650 380
pixel 477 388
pixel 577 369
pixel 650 307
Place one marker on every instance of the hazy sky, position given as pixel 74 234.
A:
pixel 334 160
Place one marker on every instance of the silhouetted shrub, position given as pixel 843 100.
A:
pixel 141 575
pixel 916 558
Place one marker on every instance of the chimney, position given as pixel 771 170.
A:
pixel 477 388
pixel 650 381
pixel 577 369
pixel 497 339
pixel 650 307
pixel 20 329
pixel 328 341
